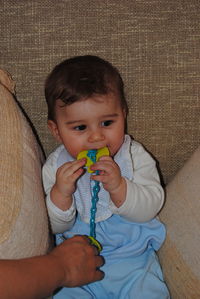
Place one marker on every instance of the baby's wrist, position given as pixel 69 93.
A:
pixel 62 201
pixel 118 195
pixel 118 188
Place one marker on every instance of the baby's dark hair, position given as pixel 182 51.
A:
pixel 81 77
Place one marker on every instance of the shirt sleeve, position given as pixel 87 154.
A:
pixel 60 220
pixel 145 195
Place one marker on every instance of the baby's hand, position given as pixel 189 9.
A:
pixel 109 173
pixel 64 187
pixel 110 176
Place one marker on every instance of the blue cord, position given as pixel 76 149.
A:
pixel 95 190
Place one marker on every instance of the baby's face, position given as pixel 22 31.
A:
pixel 90 123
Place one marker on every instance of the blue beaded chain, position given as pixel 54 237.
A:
pixel 95 190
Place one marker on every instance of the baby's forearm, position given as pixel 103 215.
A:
pixel 59 200
pixel 60 220
pixel 118 195
pixel 142 202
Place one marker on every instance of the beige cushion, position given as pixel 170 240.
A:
pixel 23 216
pixel 180 255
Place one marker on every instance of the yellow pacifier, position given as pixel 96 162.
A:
pixel 100 152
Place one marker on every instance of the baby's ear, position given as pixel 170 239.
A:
pixel 54 130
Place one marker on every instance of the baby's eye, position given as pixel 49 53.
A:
pixel 107 123
pixel 80 128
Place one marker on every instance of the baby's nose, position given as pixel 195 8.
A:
pixel 96 136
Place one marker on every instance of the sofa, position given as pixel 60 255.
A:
pixel 155 45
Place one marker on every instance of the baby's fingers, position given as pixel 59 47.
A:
pixel 104 166
pixel 72 168
pixel 105 158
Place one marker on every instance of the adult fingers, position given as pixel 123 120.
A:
pixel 99 261
pixel 99 275
pixel 88 240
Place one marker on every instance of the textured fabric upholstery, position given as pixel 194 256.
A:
pixel 180 254
pixel 24 229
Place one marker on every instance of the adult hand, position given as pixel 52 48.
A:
pixel 79 262
pixel 73 263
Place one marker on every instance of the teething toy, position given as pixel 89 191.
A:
pixel 90 160
pixel 93 156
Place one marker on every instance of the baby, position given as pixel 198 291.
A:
pixel 87 110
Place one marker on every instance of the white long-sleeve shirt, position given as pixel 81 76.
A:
pixel 144 196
